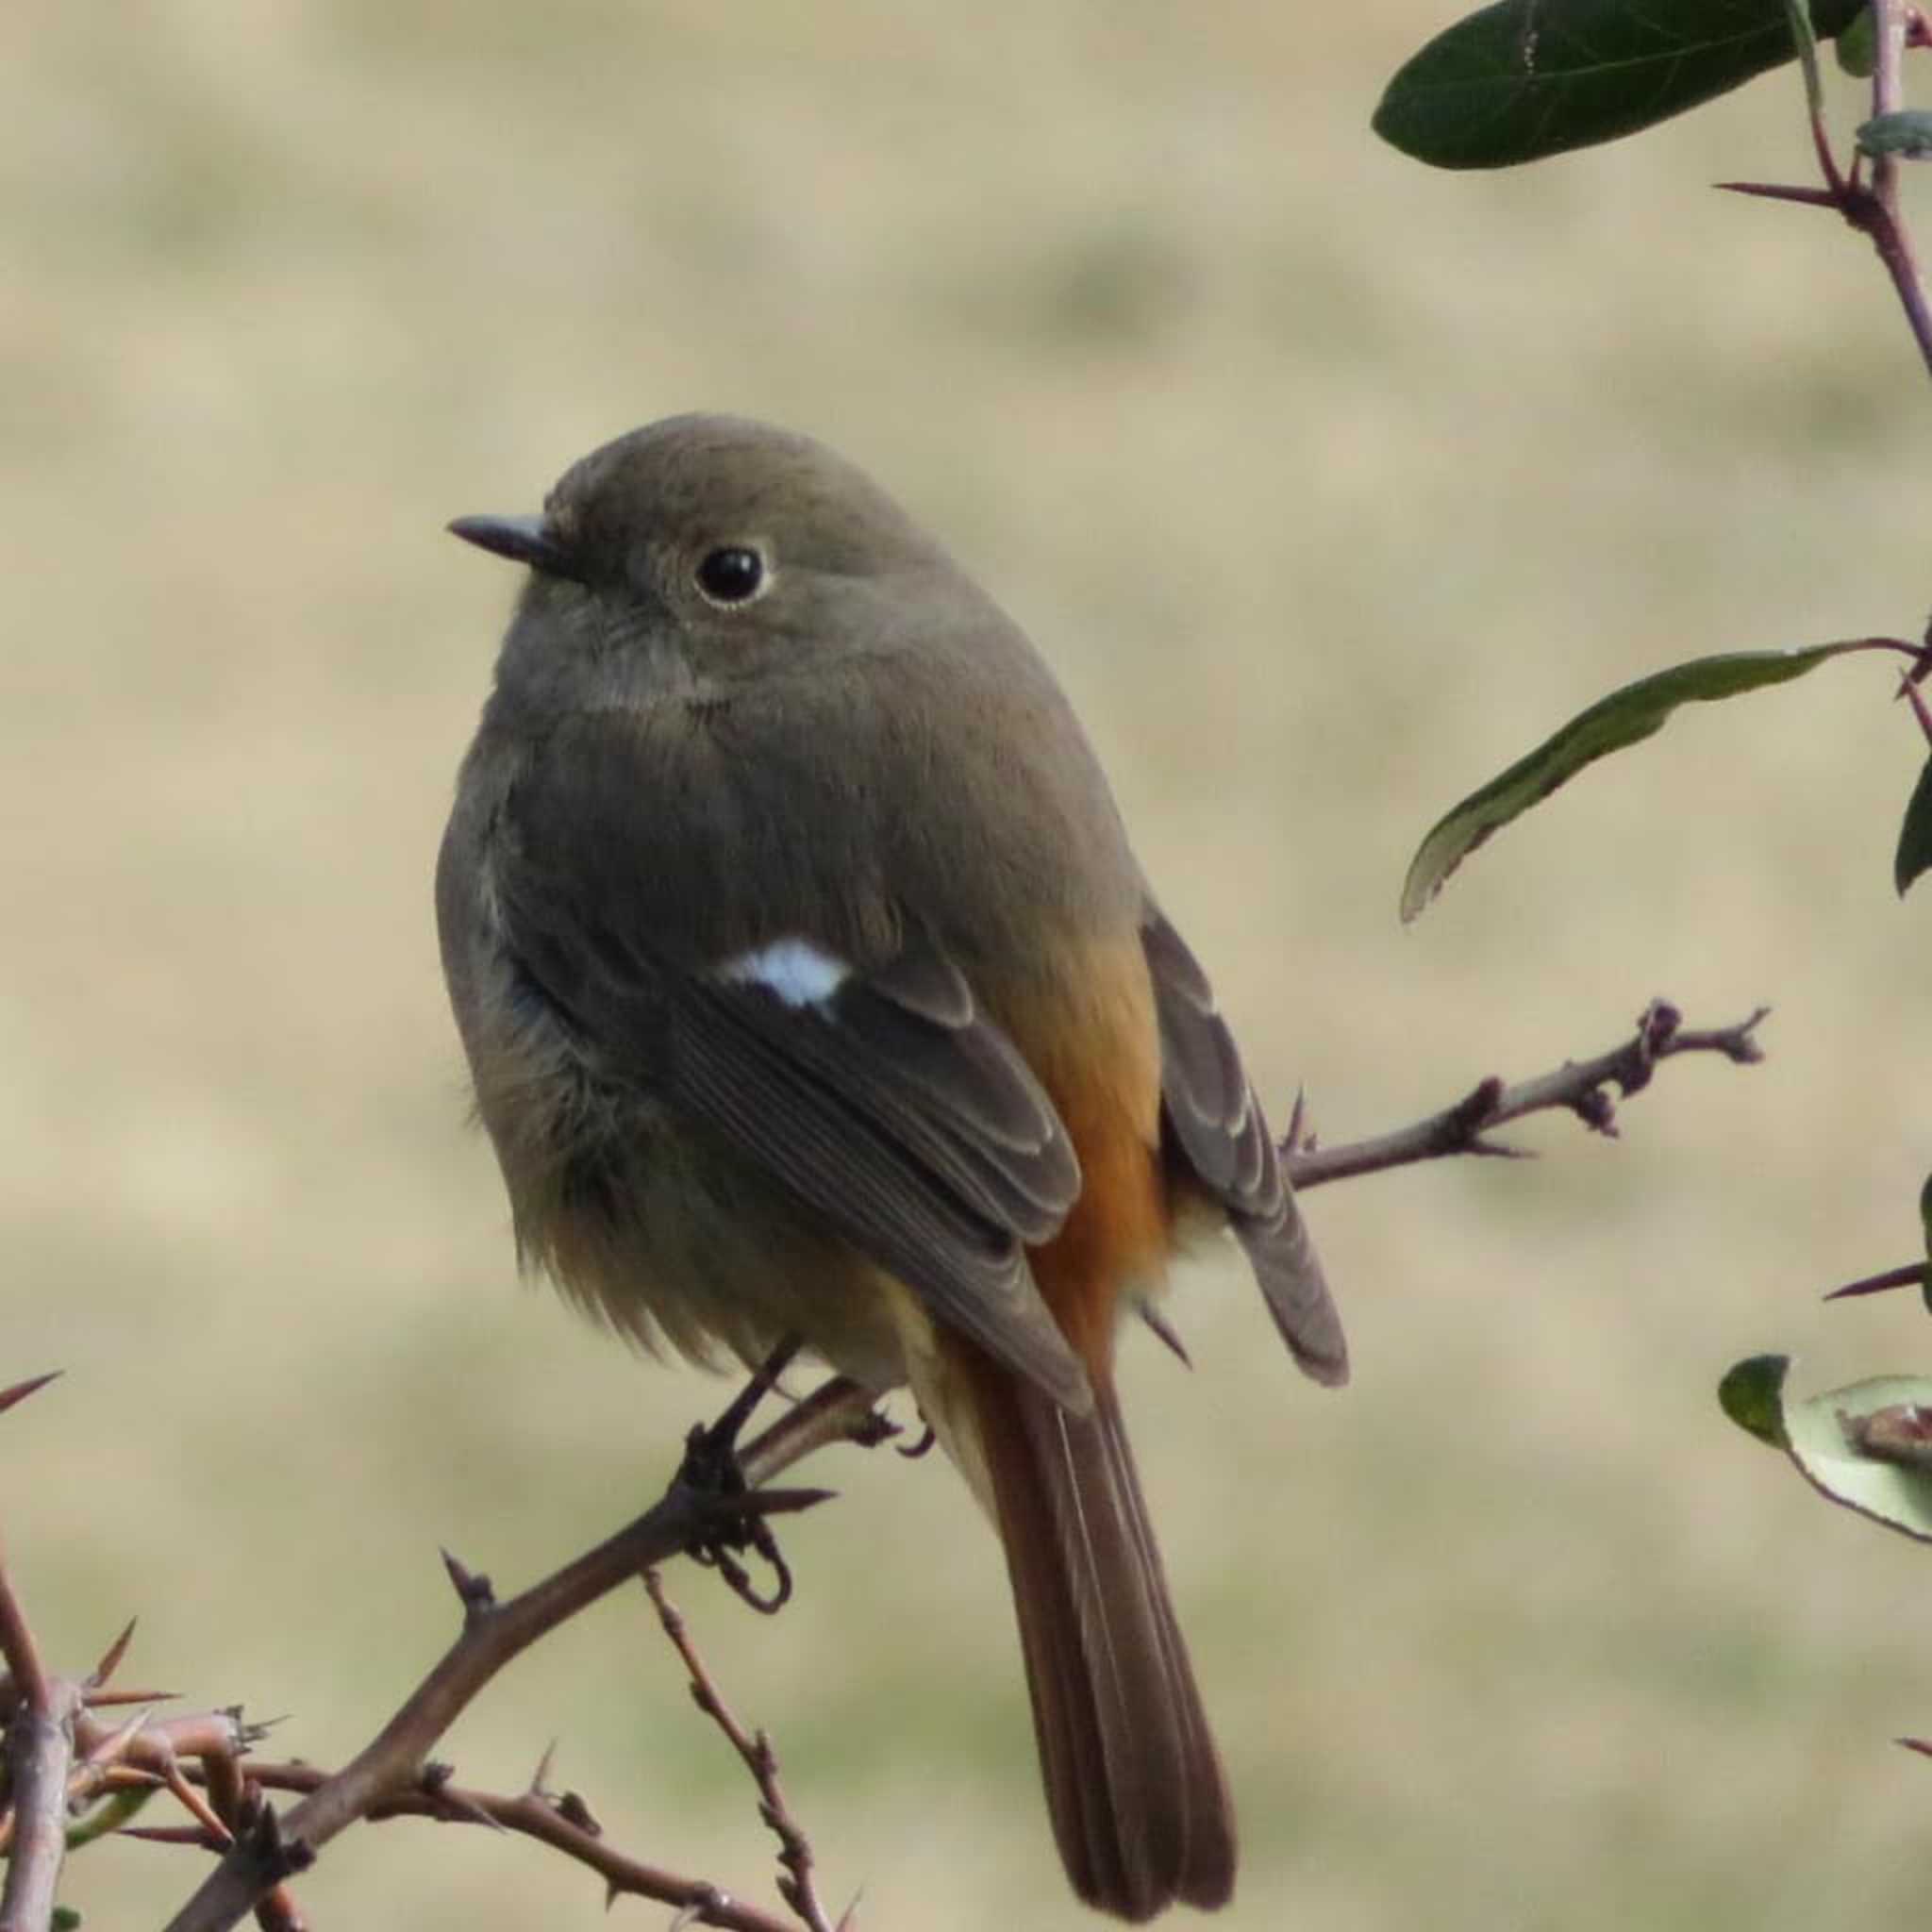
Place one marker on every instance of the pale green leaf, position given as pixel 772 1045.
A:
pixel 1867 1446
pixel 1905 136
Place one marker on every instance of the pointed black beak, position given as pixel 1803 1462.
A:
pixel 522 540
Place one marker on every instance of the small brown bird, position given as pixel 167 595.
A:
pixel 810 989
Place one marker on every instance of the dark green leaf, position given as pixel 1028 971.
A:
pixel 1926 1228
pixel 1914 852
pixel 1907 135
pixel 1626 717
pixel 1857 46
pixel 1752 1394
pixel 1527 78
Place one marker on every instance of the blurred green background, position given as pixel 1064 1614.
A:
pixel 1330 484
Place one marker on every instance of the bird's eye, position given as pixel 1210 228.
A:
pixel 732 574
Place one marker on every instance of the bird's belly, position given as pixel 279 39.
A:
pixel 650 1226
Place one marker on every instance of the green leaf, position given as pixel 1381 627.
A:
pixel 1525 78
pixel 1906 135
pixel 1626 717
pixel 1867 1446
pixel 1857 47
pixel 1926 1228
pixel 1752 1394
pixel 1914 854
pixel 116 1809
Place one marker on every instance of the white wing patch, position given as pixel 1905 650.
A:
pixel 798 972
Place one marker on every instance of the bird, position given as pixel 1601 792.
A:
pixel 811 991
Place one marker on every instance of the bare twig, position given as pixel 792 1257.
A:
pixel 562 1822
pixel 1580 1087
pixel 40 1748
pixel 1908 690
pixel 494 1633
pixel 40 1751
pixel 235 1802
pixel 1885 221
pixel 838 1410
pixel 155 1744
pixel 227 1790
pixel 90 1773
pixel 146 1755
pixel 755 1750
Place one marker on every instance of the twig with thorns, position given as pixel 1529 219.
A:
pixel 1578 1087
pixel 796 1886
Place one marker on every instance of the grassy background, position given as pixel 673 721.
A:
pixel 1330 484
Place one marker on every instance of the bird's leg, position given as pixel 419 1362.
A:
pixel 711 1470
pixel 718 1440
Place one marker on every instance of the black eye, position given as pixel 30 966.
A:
pixel 731 574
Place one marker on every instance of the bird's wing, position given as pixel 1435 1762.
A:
pixel 881 1098
pixel 1216 1123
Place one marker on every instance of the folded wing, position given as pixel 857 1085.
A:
pixel 1216 1125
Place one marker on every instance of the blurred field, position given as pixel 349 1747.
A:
pixel 1330 484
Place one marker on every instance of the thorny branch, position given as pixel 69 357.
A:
pixel 1580 1087
pixel 561 1819
pixel 797 1887
pixel 64 1756
pixel 126 1763
pixel 493 1633
pixel 1873 208
pixel 40 1748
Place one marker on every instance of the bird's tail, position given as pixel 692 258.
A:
pixel 1140 1807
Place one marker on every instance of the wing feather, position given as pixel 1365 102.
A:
pixel 1215 1120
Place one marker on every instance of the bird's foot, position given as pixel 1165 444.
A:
pixel 711 1471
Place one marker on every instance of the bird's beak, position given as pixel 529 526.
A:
pixel 522 540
